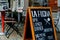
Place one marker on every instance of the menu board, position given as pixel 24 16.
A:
pixel 42 24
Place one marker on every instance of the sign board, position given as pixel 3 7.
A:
pixel 4 6
pixel 41 23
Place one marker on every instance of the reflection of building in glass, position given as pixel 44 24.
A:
pixel 49 3
pixel 4 0
pixel 19 3
pixel 39 2
pixel 4 5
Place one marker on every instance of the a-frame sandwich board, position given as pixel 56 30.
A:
pixel 40 24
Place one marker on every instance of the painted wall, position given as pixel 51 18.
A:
pixel 53 4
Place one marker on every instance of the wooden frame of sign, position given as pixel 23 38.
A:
pixel 27 28
pixel 41 24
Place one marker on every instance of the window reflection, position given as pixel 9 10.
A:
pixel 18 3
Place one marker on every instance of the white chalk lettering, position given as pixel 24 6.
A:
pixel 50 37
pixel 39 13
pixel 48 13
pixel 40 35
pixel 39 24
pixel 48 30
pixel 41 38
pixel 43 13
pixel 38 28
pixel 35 20
pixel 34 14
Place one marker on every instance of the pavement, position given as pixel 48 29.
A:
pixel 13 36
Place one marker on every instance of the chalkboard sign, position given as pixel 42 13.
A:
pixel 42 23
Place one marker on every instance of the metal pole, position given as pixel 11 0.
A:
pixel 18 17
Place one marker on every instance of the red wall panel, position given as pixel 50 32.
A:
pixel 53 4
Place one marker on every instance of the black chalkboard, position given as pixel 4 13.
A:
pixel 42 22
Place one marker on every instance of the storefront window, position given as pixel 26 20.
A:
pixel 4 0
pixel 18 3
pixel 39 2
pixel 0 22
